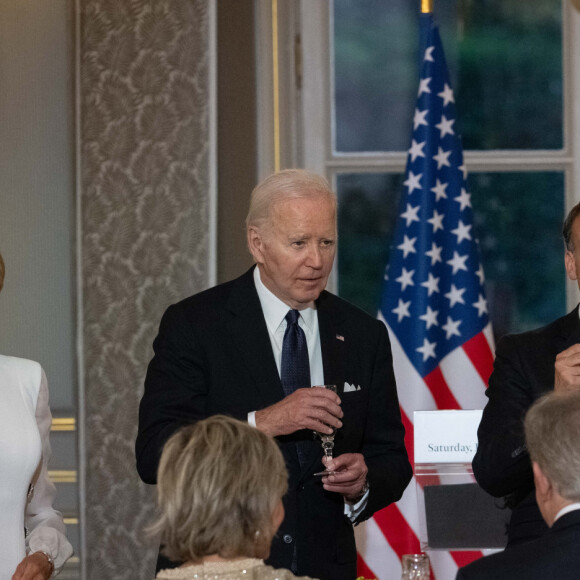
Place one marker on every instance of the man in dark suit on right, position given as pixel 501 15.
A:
pixel 552 430
pixel 527 366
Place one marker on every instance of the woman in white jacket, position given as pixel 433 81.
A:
pixel 32 541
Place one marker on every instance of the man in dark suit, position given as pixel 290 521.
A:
pixel 552 430
pixel 238 349
pixel 526 366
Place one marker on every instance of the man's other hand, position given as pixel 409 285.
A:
pixel 349 478
pixel 567 369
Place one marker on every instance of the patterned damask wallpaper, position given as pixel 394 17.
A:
pixel 144 222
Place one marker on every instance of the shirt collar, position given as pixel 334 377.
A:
pixel 275 310
pixel 567 509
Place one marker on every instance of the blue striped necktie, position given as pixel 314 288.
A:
pixel 294 368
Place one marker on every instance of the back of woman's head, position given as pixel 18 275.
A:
pixel 218 484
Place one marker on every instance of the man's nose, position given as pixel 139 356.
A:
pixel 315 257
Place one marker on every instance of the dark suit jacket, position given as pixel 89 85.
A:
pixel 213 355
pixel 523 371
pixel 553 556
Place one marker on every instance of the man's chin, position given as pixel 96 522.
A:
pixel 307 299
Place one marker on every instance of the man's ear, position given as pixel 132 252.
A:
pixel 255 244
pixel 570 265
pixel 543 484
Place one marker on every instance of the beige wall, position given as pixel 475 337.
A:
pixel 144 218
pixel 37 188
pixel 37 206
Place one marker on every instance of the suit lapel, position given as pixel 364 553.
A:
pixel 333 342
pixel 568 331
pixel 250 339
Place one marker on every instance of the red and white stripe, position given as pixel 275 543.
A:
pixel 459 382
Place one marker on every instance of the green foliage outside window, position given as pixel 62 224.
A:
pixel 505 60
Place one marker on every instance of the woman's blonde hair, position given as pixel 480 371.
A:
pixel 2 271
pixel 218 484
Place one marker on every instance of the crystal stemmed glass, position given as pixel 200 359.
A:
pixel 415 567
pixel 327 438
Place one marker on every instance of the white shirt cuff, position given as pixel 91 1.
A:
pixel 252 418
pixel 353 511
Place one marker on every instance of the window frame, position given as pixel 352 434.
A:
pixel 304 115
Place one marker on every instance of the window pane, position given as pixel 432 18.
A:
pixel 518 218
pixel 505 64
pixel 509 86
pixel 518 221
pixel 368 204
pixel 375 71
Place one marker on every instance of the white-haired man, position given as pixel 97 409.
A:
pixel 253 347
pixel 552 430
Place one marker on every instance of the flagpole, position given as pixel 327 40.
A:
pixel 425 25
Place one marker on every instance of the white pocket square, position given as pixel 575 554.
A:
pixel 350 388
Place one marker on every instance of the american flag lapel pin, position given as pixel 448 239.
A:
pixel 340 337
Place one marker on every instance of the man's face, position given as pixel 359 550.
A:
pixel 295 251
pixel 572 259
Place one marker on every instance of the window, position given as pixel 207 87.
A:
pixel 513 73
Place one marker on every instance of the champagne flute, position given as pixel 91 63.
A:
pixel 327 438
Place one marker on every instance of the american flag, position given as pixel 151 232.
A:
pixel 433 304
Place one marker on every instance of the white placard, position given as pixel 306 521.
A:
pixel 446 436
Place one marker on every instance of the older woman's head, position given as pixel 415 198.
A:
pixel 219 485
pixel 2 270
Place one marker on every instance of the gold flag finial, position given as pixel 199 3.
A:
pixel 426 6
